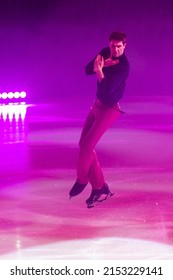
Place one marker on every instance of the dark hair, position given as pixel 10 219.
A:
pixel 118 36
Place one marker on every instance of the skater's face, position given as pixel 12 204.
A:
pixel 116 48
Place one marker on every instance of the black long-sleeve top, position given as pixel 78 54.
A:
pixel 111 88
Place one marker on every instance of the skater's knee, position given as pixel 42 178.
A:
pixel 86 146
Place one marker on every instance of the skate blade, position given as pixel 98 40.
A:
pixel 106 197
pixel 100 200
pixel 93 205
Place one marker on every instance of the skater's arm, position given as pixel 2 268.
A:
pixel 89 69
pixel 110 88
pixel 98 67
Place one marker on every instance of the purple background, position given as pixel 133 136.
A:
pixel 46 44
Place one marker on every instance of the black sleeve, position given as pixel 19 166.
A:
pixel 89 67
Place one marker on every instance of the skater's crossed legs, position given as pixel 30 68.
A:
pixel 100 118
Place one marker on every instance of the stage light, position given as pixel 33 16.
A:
pixel 12 120
pixel 12 112
pixel 10 95
pixel 13 95
pixel 23 94
pixel 16 94
pixel 4 95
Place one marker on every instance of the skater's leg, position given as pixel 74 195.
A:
pixel 103 120
pixel 95 174
pixel 86 128
pixel 88 168
pixel 79 185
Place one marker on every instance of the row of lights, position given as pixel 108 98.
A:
pixel 11 95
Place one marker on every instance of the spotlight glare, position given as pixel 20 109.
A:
pixel 10 95
pixel 16 94
pixel 4 95
pixel 23 94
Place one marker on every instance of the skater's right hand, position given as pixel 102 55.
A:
pixel 98 63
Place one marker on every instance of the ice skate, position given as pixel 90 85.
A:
pixel 76 189
pixel 98 195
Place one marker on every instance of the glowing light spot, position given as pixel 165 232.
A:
pixel 4 95
pixel 16 94
pixel 12 111
pixel 10 95
pixel 23 94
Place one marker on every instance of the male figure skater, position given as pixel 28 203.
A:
pixel 112 69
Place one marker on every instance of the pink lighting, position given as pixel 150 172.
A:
pixel 12 121
pixel 11 112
